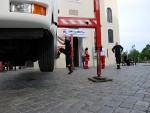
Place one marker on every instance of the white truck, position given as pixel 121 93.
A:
pixel 28 32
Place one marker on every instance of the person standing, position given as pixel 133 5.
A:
pixel 66 51
pixel 135 60
pixel 117 49
pixel 86 59
pixel 103 56
pixel 125 58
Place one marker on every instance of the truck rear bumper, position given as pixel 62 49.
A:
pixel 18 49
pixel 21 33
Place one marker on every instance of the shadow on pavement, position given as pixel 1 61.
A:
pixel 22 80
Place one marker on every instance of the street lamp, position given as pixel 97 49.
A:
pixel 133 46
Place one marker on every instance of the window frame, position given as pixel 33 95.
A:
pixel 110 36
pixel 109 15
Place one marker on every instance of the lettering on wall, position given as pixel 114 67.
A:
pixel 74 32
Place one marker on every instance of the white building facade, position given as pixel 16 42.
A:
pixel 109 29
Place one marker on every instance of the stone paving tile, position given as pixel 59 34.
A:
pixel 141 105
pixel 83 111
pixel 119 98
pixel 122 110
pixel 113 104
pixel 91 108
pixel 147 97
pixel 140 108
pixel 139 95
pixel 95 106
pixel 75 108
pixel 61 108
pixel 31 91
pixel 126 105
pixel 134 111
pixel 106 109
pixel 132 99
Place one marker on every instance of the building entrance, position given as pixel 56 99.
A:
pixel 76 52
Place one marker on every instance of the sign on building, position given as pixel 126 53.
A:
pixel 74 32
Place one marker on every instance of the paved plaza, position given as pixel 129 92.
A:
pixel 31 91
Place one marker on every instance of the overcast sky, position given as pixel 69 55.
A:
pixel 134 23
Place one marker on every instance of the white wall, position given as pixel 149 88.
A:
pixel 85 9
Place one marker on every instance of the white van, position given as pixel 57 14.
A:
pixel 28 32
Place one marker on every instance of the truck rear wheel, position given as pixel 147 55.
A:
pixel 46 53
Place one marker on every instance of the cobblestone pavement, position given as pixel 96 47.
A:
pixel 30 91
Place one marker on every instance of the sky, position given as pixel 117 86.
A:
pixel 134 23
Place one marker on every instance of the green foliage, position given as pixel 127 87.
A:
pixel 123 54
pixel 136 54
pixel 145 52
pixel 133 53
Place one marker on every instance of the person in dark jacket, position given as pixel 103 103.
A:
pixel 117 49
pixel 66 51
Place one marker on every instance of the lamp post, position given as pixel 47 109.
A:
pixel 133 46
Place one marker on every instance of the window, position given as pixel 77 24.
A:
pixel 73 12
pixel 109 15
pixel 110 36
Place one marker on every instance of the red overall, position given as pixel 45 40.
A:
pixel 86 59
pixel 103 62
pixel 102 57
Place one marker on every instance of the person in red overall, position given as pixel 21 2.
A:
pixel 103 56
pixel 86 59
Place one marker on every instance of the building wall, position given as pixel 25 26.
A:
pixel 114 26
pixel 84 8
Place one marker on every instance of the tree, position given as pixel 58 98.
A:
pixel 133 53
pixel 146 52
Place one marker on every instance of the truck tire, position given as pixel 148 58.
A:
pixel 46 53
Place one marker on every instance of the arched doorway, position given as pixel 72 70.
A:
pixel 76 52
